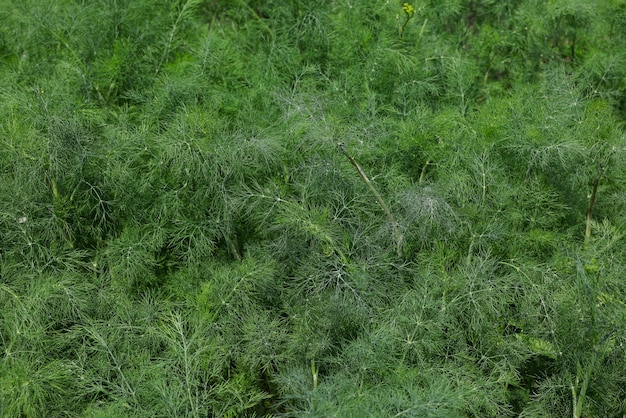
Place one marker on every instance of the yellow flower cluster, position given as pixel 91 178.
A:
pixel 408 9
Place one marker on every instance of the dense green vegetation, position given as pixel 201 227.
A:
pixel 182 234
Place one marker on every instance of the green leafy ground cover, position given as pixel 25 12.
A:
pixel 181 234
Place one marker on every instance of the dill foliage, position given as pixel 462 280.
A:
pixel 182 235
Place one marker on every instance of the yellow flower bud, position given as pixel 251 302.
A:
pixel 408 9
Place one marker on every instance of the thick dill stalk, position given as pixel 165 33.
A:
pixel 396 232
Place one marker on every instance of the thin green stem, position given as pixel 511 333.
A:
pixel 314 374
pixel 578 399
pixel 404 25
pixel 592 202
pixel 423 172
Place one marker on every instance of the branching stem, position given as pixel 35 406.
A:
pixel 189 4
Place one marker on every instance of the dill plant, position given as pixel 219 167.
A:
pixel 182 237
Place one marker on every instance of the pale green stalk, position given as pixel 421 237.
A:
pixel 396 232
